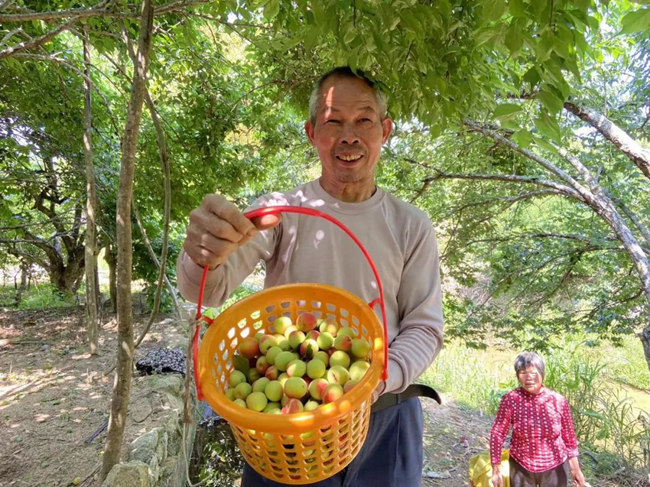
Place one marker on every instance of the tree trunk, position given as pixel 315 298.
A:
pixel 24 271
pixel 124 368
pixel 626 144
pixel 92 314
pixel 644 336
pixel 111 260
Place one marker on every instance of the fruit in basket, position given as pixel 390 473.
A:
pixel 236 377
pixel 260 384
pixel 243 390
pixel 273 391
pixel 325 340
pixel 295 387
pixel 323 356
pixel 297 367
pixel 281 324
pixel 332 393
pixel 261 364
pixel 317 388
pixel 316 368
pixel 339 357
pixel 358 369
pixel 292 406
pixel 272 373
pixel 308 348
pixel 256 401
pixel 349 385
pixel 306 321
pixel 359 348
pixel 337 374
pixel 295 338
pixel 266 342
pixel 283 358
pixel 249 347
pixel 328 325
pixel 311 405
pixel 342 342
pixel 272 353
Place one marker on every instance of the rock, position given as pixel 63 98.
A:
pixel 131 474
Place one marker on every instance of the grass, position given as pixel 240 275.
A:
pixel 39 296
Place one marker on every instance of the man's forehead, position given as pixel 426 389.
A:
pixel 337 97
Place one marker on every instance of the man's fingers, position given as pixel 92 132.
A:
pixel 227 211
pixel 267 221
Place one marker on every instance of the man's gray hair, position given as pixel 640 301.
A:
pixel 528 359
pixel 346 72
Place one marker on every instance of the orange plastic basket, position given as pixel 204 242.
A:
pixel 304 447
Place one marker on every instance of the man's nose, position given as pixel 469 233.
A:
pixel 349 134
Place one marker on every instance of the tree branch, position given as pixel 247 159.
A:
pixel 635 220
pixel 100 10
pixel 545 163
pixel 164 161
pixel 77 13
pixel 510 178
pixel 11 51
pixel 617 136
pixel 564 236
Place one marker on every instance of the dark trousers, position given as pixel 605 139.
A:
pixel 556 477
pixel 391 456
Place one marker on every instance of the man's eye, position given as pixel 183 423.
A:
pixel 331 121
pixel 365 120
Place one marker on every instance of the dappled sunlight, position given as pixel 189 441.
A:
pixel 54 396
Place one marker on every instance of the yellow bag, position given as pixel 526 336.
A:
pixel 480 469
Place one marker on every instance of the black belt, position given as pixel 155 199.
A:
pixel 414 390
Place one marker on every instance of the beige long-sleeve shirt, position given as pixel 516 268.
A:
pixel 400 240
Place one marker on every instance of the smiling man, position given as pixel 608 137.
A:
pixel 348 125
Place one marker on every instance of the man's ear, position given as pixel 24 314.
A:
pixel 309 130
pixel 386 129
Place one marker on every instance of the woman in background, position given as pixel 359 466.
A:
pixel 544 447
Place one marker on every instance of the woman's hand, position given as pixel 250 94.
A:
pixel 576 473
pixel 497 479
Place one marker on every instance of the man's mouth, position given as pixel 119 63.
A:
pixel 349 157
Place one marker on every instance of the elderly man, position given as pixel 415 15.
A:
pixel 348 125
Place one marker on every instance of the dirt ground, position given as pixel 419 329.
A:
pixel 54 397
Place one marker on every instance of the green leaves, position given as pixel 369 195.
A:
pixel 271 9
pixel 637 21
pixel 507 111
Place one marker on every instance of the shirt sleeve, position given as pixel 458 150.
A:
pixel 500 429
pixel 568 431
pixel 419 299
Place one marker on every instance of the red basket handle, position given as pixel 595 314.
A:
pixel 268 210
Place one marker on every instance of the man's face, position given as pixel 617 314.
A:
pixel 348 133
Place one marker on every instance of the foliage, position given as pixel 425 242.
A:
pixel 222 462
pixel 230 83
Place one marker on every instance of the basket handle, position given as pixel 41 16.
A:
pixel 268 210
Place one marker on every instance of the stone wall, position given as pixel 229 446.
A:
pixel 156 457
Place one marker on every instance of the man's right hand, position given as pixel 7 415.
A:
pixel 217 228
